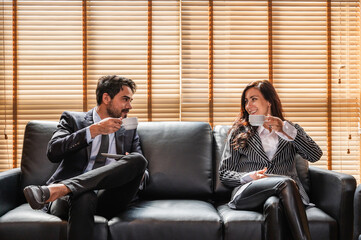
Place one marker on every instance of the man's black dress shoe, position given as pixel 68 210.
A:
pixel 36 196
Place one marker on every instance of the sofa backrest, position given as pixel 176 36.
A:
pixel 35 166
pixel 179 158
pixel 220 133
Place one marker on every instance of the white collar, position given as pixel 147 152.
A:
pixel 96 117
pixel 260 129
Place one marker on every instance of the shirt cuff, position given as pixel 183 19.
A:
pixel 89 138
pixel 290 130
pixel 246 178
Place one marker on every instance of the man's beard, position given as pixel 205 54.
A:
pixel 114 113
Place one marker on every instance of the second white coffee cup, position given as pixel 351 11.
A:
pixel 256 120
pixel 130 123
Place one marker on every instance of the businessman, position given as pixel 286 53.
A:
pixel 86 182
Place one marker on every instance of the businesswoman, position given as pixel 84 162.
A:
pixel 259 161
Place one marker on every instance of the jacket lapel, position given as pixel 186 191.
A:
pixel 255 144
pixel 280 146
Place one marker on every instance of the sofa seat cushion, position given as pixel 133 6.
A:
pixel 248 224
pixel 167 219
pixel 36 224
pixel 322 226
pixel 26 223
pixel 239 224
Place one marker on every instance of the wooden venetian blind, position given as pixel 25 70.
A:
pixel 194 68
pixel 117 45
pixel 190 60
pixel 6 96
pixel 345 39
pixel 166 61
pixel 240 53
pixel 48 64
pixel 300 65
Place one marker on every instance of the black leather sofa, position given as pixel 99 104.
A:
pixel 184 198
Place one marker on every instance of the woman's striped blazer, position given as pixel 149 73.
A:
pixel 237 163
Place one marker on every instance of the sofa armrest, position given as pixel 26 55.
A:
pixel 357 213
pixel 333 192
pixel 9 189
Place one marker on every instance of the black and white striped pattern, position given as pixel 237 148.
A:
pixel 236 163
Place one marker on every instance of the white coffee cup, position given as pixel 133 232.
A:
pixel 256 120
pixel 130 123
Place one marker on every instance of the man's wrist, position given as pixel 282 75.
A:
pixel 94 130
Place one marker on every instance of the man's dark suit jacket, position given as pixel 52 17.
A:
pixel 69 145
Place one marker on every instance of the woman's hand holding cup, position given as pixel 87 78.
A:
pixel 273 123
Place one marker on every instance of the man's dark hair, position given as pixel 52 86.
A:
pixel 112 84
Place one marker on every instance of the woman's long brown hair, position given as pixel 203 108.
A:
pixel 241 129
